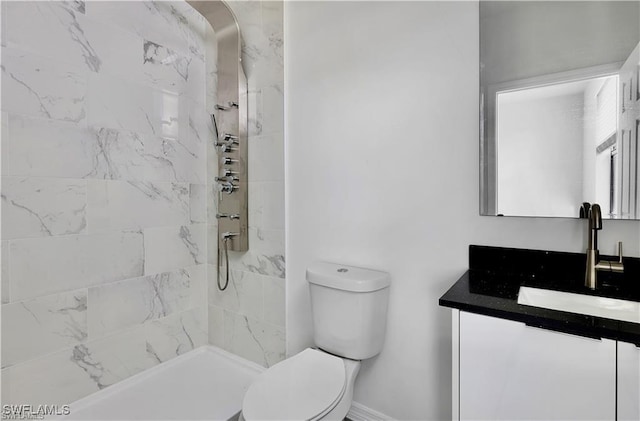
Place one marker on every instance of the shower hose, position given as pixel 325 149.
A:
pixel 225 246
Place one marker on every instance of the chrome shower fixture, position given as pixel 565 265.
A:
pixel 230 123
pixel 231 105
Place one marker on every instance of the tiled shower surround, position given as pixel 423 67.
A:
pixel 107 194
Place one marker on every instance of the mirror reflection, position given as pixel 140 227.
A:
pixel 560 108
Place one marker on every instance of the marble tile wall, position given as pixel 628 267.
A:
pixel 248 317
pixel 103 195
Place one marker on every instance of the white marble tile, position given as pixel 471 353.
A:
pixel 169 248
pixel 41 266
pixel 261 263
pixel 200 127
pixel 267 241
pixel 254 109
pixel 257 341
pixel 132 205
pixel 119 305
pixel 211 68
pixel 42 326
pixel 255 203
pixel 174 160
pixel 176 334
pixel 40 207
pixel 4 136
pixel 55 29
pixel 196 88
pixel 212 245
pixel 262 52
pixel 249 16
pixel 216 326
pixel 39 87
pixel 272 205
pixel 116 103
pixel 118 155
pixel 266 157
pixel 272 110
pixel 5 292
pixel 198 203
pixel 243 295
pixel 53 379
pixel 48 148
pixel 75 372
pixel 5 390
pixel 273 27
pixel 113 358
pixel 265 255
pixel 3 23
pixel 166 69
pixel 274 301
pixel 119 51
pixel 166 23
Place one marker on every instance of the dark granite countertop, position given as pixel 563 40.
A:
pixel 490 287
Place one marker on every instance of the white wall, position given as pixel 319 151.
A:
pixel 540 148
pixel 381 150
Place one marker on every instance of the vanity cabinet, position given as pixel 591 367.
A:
pixel 628 382
pixel 510 371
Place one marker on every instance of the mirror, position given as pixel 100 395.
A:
pixel 560 108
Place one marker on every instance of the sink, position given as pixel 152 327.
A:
pixel 609 308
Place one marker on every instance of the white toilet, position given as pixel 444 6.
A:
pixel 349 308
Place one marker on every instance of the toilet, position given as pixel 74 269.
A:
pixel 349 309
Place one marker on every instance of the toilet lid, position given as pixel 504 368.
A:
pixel 302 387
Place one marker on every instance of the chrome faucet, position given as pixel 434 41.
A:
pixel 594 264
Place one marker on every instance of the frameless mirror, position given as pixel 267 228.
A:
pixel 560 108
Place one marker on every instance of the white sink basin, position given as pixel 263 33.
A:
pixel 610 308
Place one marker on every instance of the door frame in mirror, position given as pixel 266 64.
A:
pixel 488 151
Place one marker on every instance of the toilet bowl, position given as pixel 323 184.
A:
pixel 349 309
pixel 311 385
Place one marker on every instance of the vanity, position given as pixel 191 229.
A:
pixel 540 335
pixel 516 359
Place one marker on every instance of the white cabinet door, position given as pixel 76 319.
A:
pixel 509 371
pixel 628 382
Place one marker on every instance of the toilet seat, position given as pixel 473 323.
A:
pixel 303 387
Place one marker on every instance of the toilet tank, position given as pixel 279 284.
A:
pixel 349 308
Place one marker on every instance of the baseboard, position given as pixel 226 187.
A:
pixel 359 412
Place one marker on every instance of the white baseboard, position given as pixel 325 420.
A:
pixel 359 412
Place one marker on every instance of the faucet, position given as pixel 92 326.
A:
pixel 594 264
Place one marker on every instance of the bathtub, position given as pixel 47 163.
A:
pixel 206 383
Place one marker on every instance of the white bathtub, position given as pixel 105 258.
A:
pixel 206 383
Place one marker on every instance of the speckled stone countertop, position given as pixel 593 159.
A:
pixel 495 274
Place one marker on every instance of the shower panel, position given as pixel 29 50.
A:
pixel 230 121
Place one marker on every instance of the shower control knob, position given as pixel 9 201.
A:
pixel 226 215
pixel 231 104
pixel 226 179
pixel 227 188
pixel 229 139
pixel 225 148
pixel 225 160
pixel 226 172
